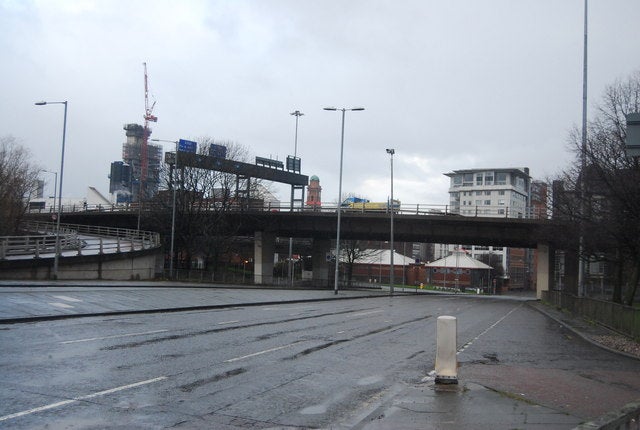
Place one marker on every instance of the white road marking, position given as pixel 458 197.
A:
pixel 468 344
pixel 67 299
pixel 228 322
pixel 78 399
pixel 287 309
pixel 231 360
pixel 112 336
pixel 367 313
pixel 61 305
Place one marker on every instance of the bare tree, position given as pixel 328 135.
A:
pixel 203 200
pixel 352 251
pixel 495 261
pixel 604 197
pixel 18 181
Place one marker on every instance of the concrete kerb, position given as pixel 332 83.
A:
pixel 626 418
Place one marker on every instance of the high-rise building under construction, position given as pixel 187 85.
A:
pixel 145 168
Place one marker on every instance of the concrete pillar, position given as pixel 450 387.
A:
pixel 544 270
pixel 321 248
pixel 263 254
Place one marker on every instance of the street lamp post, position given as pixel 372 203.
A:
pixel 56 259
pixel 297 114
pixel 391 151
pixel 173 205
pixel 55 185
pixel 336 274
pixel 583 161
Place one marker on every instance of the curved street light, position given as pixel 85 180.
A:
pixel 336 274
pixel 56 259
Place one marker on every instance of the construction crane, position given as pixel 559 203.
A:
pixel 144 150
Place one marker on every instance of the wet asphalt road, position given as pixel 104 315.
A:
pixel 315 364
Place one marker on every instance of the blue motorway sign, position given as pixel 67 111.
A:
pixel 187 146
pixel 219 151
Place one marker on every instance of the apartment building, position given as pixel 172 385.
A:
pixel 493 192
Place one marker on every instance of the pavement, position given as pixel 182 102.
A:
pixel 423 405
pixel 469 405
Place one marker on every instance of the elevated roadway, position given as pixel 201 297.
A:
pixel 265 225
pixel 512 232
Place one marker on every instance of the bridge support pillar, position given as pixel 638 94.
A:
pixel 321 248
pixel 263 252
pixel 544 275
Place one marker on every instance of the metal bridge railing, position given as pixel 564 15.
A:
pixel 485 211
pixel 74 240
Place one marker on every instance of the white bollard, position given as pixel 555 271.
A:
pixel 446 358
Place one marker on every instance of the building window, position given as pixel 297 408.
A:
pixel 478 193
pixel 501 192
pixel 500 211
pixel 478 202
pixel 479 179
pixel 501 202
pixel 487 202
pixel 488 179
pixel 487 193
pixel 467 179
pixel 501 178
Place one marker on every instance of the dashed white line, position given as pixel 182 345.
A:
pixel 367 313
pixel 287 308
pixel 231 360
pixel 228 322
pixel 68 299
pixel 468 344
pixel 61 305
pixel 112 336
pixel 78 399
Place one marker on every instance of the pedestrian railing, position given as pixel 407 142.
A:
pixel 74 240
pixel 625 319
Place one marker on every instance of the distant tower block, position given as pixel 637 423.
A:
pixel 314 192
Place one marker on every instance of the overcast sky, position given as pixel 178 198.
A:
pixel 450 84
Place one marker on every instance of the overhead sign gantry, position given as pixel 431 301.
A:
pixel 264 168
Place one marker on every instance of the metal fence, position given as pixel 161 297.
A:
pixel 74 240
pixel 624 319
